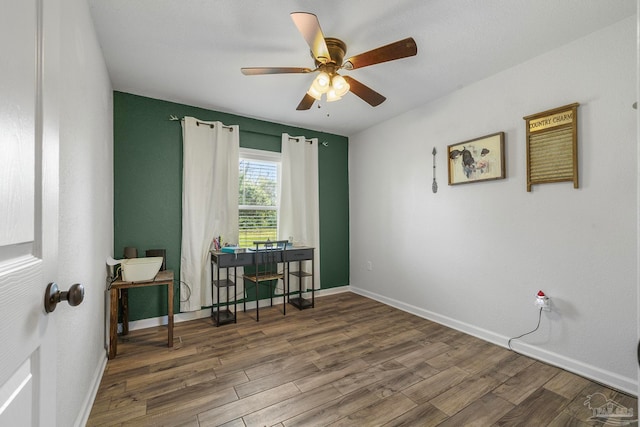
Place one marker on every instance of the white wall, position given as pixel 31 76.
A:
pixel 86 211
pixel 473 256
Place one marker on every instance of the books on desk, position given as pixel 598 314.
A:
pixel 272 248
pixel 233 250
pixel 239 250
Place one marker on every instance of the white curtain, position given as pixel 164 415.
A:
pixel 299 195
pixel 209 203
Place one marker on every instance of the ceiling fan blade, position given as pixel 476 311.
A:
pixel 309 27
pixel 253 71
pixel 306 102
pixel 367 94
pixel 390 52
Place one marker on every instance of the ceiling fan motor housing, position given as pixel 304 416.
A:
pixel 337 49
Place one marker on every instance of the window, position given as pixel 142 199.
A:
pixel 259 174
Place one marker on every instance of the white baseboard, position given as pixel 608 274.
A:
pixel 87 404
pixel 611 379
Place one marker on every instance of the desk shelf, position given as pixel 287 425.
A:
pixel 298 298
pixel 300 274
pixel 301 303
pixel 222 315
pixel 223 283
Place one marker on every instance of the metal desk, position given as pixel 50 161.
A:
pixel 289 255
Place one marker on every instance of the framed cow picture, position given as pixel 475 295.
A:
pixel 480 159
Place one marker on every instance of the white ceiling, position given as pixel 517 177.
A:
pixel 191 51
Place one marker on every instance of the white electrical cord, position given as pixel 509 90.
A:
pixel 527 333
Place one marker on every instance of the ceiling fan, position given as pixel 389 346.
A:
pixel 328 54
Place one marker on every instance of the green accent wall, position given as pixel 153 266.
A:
pixel 148 188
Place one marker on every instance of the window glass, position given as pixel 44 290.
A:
pixel 258 198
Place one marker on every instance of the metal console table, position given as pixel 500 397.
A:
pixel 288 255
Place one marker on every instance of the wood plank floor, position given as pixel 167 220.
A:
pixel 350 361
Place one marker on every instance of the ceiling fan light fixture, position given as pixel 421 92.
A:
pixel 315 93
pixel 340 85
pixel 332 95
pixel 322 82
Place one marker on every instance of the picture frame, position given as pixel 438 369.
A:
pixel 475 160
pixel 552 146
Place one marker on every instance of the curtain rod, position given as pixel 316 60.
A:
pixel 296 139
pixel 176 118
pixel 198 122
pixel 324 143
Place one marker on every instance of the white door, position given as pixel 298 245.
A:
pixel 29 64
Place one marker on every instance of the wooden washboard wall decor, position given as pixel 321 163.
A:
pixel 552 146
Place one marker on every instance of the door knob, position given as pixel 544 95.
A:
pixel 53 296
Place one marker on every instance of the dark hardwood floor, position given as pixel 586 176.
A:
pixel 350 361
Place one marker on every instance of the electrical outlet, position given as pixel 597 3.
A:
pixel 369 266
pixel 542 301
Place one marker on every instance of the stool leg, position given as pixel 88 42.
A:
pixel 125 311
pixel 257 303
